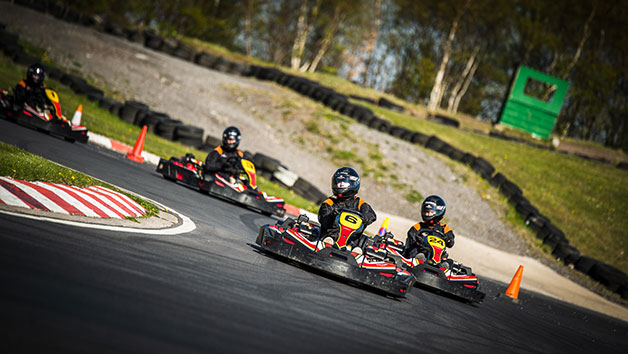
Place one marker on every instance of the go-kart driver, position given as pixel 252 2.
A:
pixel 32 90
pixel 226 158
pixel 432 212
pixel 345 184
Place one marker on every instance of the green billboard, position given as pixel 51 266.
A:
pixel 534 102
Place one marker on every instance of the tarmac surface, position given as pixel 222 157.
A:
pixel 68 288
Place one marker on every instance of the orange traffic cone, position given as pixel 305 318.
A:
pixel 136 154
pixel 76 120
pixel 513 288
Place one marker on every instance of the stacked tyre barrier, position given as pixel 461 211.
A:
pixel 272 169
pixel 614 279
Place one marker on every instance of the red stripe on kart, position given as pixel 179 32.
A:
pixel 55 198
pixel 78 197
pixel 23 196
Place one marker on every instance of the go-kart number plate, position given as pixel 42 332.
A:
pixel 351 221
pixel 248 166
pixel 436 241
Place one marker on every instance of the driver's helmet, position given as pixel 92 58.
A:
pixel 345 182
pixel 433 209
pixel 231 138
pixel 189 157
pixel 35 74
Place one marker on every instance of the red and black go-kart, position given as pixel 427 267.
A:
pixel 298 240
pixel 46 118
pixel 432 269
pixel 241 189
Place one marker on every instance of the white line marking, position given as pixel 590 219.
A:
pixel 187 226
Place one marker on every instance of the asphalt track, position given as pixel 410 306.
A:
pixel 70 289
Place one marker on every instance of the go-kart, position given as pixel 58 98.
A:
pixel 44 116
pixel 432 268
pixel 240 189
pixel 299 240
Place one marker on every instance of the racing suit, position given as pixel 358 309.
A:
pixel 34 96
pixel 223 162
pixel 329 210
pixel 414 241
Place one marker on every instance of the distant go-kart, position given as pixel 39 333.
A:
pixel 240 189
pixel 45 117
pixel 299 240
pixel 435 271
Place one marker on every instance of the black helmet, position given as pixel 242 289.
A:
pixel 35 74
pixel 231 133
pixel 433 209
pixel 345 182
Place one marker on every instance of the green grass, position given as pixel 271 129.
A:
pixel 21 164
pixel 102 122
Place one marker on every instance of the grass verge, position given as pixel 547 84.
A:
pixel 20 164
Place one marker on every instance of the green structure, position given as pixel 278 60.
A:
pixel 524 111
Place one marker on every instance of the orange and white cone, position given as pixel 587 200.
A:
pixel 76 119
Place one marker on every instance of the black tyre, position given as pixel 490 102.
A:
pixel 382 102
pixel 205 59
pixel 135 36
pixel 537 222
pixel 153 41
pixel 189 135
pixel 438 118
pixel 551 236
pixel 115 108
pixel 456 154
pixel 609 276
pixel 131 111
pixel 508 189
pixel 584 264
pixel 166 128
pixel 152 120
pixel 419 138
pixel 54 73
pixel 169 45
pixel 266 162
pixel 434 143
pixel 185 52
pixel 483 168
pixel 498 179
pixel 106 103
pixel 212 141
pixel 567 253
